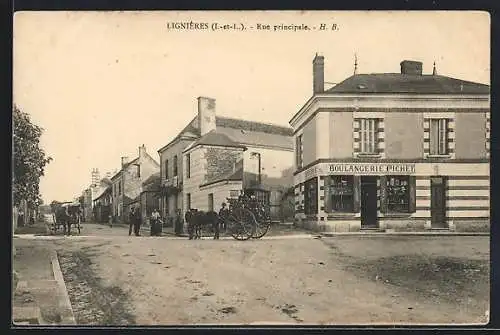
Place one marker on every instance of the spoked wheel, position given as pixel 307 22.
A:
pixel 262 226
pixel 78 225
pixel 242 223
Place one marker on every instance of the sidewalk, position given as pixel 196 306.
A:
pixel 40 296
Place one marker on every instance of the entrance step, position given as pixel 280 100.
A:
pixel 27 315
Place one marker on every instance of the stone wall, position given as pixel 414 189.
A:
pixel 221 162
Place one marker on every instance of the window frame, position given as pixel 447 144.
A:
pixel 331 182
pixel 166 168
pixel 368 136
pixel 311 202
pixel 407 197
pixel 175 174
pixel 438 131
pixel 299 160
pixel 188 165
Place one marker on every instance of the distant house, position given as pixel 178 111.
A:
pixel 102 204
pixel 149 198
pixel 215 157
pixel 127 184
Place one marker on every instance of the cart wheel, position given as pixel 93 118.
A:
pixel 261 228
pixel 242 224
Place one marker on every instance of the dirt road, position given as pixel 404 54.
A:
pixel 298 281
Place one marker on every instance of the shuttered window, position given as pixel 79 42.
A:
pixel 166 168
pixel 438 136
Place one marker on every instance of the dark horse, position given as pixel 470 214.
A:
pixel 196 220
pixel 66 216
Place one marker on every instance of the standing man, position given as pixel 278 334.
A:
pixel 137 225
pixel 131 221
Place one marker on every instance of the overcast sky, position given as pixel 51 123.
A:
pixel 103 83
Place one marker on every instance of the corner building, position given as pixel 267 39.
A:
pixel 393 151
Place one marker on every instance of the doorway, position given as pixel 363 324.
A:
pixel 438 202
pixel 369 202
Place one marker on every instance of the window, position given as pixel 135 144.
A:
pixel 368 136
pixel 210 202
pixel 166 168
pixel 311 196
pixel 188 165
pixel 138 171
pixel 438 136
pixel 188 201
pixel 175 165
pixel 298 152
pixel 120 188
pixel 339 194
pixel 398 193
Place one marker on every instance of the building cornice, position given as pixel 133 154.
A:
pixel 388 102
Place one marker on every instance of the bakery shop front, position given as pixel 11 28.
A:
pixel 353 196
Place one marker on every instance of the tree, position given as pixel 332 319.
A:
pixel 29 160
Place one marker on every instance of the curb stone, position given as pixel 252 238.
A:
pixel 64 301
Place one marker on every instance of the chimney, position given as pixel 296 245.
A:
pixel 318 74
pixel 411 67
pixel 142 150
pixel 124 160
pixel 206 115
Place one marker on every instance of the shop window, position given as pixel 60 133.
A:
pixel 398 194
pixel 438 136
pixel 311 196
pixel 339 194
pixel 368 135
pixel 298 152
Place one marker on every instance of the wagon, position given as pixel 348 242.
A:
pixel 246 218
pixel 66 215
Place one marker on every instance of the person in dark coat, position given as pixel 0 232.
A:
pixel 223 215
pixel 131 221
pixel 137 224
pixel 155 223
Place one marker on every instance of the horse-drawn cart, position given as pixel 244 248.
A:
pixel 64 216
pixel 246 218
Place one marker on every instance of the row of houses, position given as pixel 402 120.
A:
pixel 213 158
pixel 377 151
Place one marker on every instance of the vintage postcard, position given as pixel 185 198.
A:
pixel 251 168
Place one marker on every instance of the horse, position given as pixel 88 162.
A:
pixel 197 220
pixel 66 216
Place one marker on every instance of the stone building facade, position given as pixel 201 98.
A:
pixel 217 156
pixel 403 151
pixel 127 184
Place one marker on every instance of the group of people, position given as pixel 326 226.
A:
pixel 135 222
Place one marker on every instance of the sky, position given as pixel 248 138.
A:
pixel 103 83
